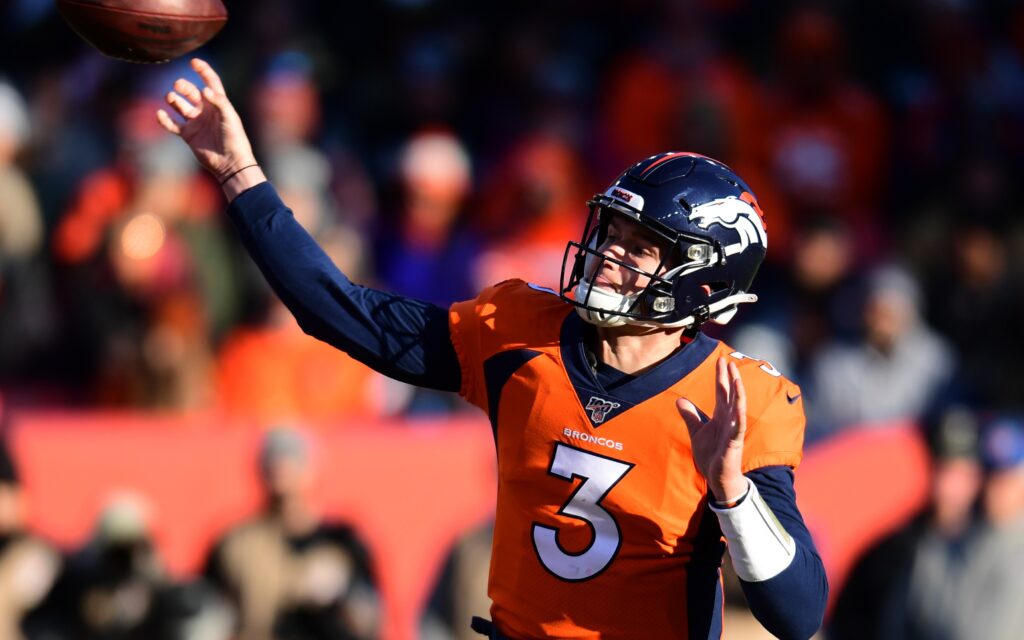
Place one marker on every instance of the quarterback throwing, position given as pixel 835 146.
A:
pixel 633 450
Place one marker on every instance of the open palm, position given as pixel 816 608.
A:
pixel 211 127
pixel 718 443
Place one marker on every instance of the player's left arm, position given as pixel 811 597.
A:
pixel 750 479
pixel 772 551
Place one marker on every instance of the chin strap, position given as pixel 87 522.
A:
pixel 719 312
pixel 607 308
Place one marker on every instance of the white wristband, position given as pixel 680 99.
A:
pixel 758 544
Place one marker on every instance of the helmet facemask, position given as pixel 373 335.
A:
pixel 655 305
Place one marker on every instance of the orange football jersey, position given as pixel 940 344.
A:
pixel 602 528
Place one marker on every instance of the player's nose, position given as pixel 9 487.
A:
pixel 612 249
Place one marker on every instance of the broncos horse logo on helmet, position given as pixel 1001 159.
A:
pixel 711 225
pixel 734 214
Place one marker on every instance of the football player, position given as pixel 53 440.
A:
pixel 632 448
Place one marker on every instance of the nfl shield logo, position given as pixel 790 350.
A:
pixel 599 408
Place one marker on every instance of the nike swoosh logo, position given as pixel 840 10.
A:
pixel 792 399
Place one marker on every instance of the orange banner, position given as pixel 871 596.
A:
pixel 409 487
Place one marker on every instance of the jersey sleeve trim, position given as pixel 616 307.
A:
pixel 773 459
pixel 459 321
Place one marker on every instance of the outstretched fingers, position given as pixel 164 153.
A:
pixel 739 404
pixel 209 76
pixel 184 107
pixel 722 387
pixel 189 91
pixel 167 123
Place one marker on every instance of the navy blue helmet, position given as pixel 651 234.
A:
pixel 710 224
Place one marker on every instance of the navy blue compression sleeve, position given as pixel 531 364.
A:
pixel 790 605
pixel 402 338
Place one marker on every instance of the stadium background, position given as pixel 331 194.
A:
pixel 434 147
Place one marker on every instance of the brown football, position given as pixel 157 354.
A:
pixel 145 30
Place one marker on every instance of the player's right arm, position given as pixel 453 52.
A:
pixel 405 339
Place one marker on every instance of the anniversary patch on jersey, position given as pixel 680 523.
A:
pixel 599 408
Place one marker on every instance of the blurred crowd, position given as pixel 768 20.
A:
pixel 285 573
pixel 435 147
pixel 956 570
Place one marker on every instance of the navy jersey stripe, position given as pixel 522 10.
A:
pixel 703 580
pixel 497 371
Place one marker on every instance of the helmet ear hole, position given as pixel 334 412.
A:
pixel 711 288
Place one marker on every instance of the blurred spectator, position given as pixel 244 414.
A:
pixel 116 588
pixel 288 573
pixel 68 105
pixel 147 279
pixel 1004 461
pixel 21 227
pixel 976 302
pixel 956 581
pixel 533 204
pixel 274 372
pixel 27 322
pixel 639 110
pixel 892 592
pixel 305 175
pixel 271 372
pixel 430 254
pixel 959 94
pixel 461 589
pixel 680 89
pixel 326 181
pixel 286 102
pixel 988 601
pixel 898 370
pixel 809 306
pixel 823 144
pixel 28 566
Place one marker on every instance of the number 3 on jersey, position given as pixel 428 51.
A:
pixel 600 475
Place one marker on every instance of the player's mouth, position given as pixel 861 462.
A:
pixel 604 283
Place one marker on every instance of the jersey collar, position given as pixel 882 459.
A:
pixel 601 404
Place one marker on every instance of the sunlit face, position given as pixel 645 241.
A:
pixel 635 246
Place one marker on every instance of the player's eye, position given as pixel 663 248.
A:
pixel 643 250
